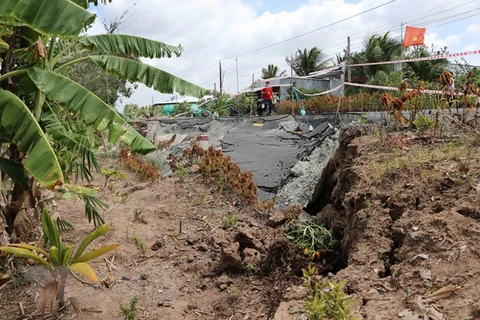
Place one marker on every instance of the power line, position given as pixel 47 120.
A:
pixel 339 44
pixel 312 31
pixel 430 24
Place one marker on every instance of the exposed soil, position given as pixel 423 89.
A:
pixel 405 208
pixel 195 267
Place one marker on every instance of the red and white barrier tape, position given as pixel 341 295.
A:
pixel 324 71
pixel 321 93
pixel 444 56
pixel 395 89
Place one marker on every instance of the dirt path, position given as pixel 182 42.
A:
pixel 183 227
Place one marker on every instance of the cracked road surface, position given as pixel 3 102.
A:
pixel 261 146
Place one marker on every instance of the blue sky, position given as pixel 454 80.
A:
pixel 214 30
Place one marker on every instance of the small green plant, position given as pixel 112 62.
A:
pixel 423 122
pixel 111 186
pixel 138 216
pixel 60 259
pixel 229 220
pixel 251 268
pixel 129 312
pixel 325 299
pixel 233 290
pixel 310 237
pixel 181 174
pixel 113 173
pixel 140 245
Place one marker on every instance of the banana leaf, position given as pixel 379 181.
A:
pixel 92 110
pixel 17 120
pixel 60 18
pixel 152 77
pixel 119 44
pixel 15 172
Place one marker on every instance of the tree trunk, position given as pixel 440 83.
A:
pixel 61 288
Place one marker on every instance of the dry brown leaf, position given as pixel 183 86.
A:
pixel 76 307
pixel 49 290
pixel 23 224
pixel 442 293
pixel 40 50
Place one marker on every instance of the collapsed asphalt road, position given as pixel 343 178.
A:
pixel 285 157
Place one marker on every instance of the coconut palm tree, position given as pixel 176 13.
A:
pixel 272 71
pixel 429 70
pixel 308 61
pixel 377 48
pixel 41 110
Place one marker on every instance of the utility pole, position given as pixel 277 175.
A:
pixel 236 63
pixel 291 78
pixel 214 89
pixel 401 49
pixel 347 58
pixel 251 86
pixel 220 70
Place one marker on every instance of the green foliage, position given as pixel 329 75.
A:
pixel 242 103
pixel 427 71
pixel 52 122
pixel 181 174
pixel 113 173
pixel 423 122
pixel 251 268
pixel 310 237
pixel 60 259
pixel 326 300
pixel 138 216
pixel 308 61
pixel 229 221
pixel 271 71
pixel 221 105
pixel 129 312
pixel 140 245
pixel 92 203
pixel 377 48
pixel 104 85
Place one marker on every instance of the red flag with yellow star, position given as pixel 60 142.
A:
pixel 414 36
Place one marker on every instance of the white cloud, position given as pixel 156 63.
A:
pixel 213 30
pixel 473 29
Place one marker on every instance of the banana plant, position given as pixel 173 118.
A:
pixel 60 259
pixel 40 39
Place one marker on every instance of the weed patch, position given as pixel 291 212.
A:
pixel 144 170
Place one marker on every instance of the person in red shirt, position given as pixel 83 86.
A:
pixel 267 94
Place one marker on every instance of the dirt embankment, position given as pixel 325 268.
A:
pixel 406 208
